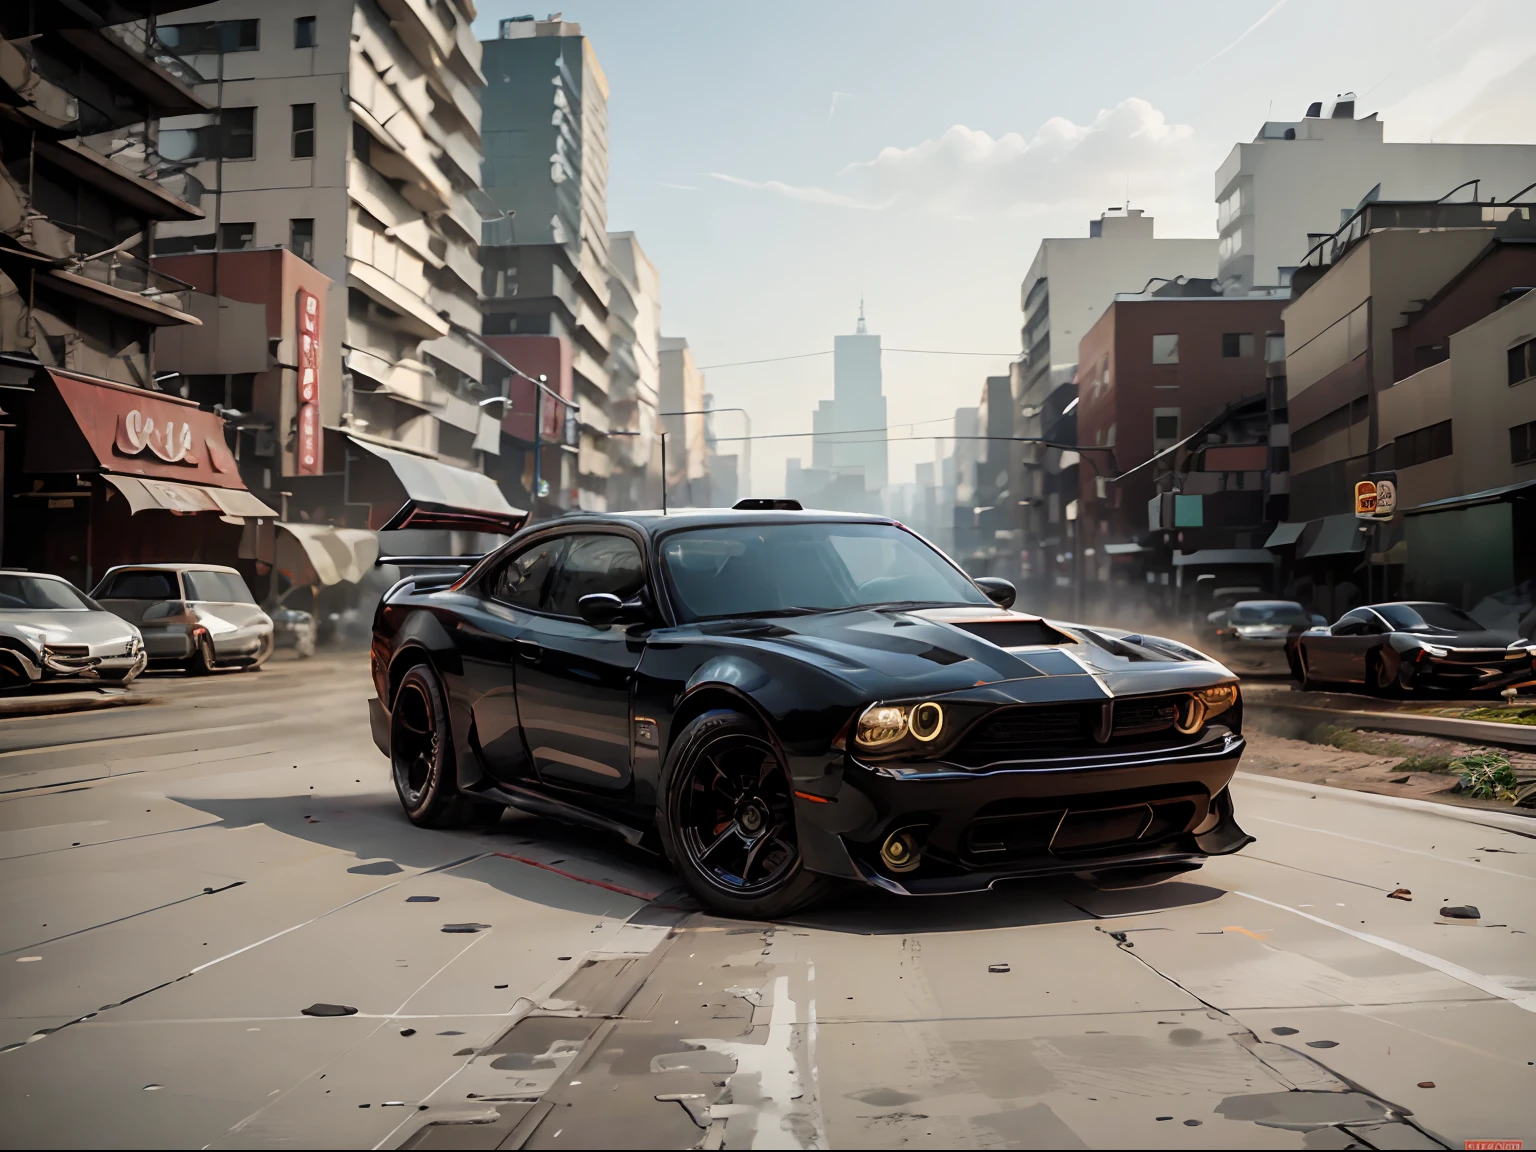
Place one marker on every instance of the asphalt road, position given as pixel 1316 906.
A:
pixel 183 878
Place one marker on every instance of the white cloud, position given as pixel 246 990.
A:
pixel 966 173
pixel 1486 100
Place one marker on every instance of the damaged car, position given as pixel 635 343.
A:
pixel 782 700
pixel 50 630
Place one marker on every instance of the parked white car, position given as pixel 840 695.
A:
pixel 50 629
pixel 196 616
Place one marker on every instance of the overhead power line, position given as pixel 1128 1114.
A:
pixel 828 352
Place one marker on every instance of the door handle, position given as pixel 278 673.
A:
pixel 529 650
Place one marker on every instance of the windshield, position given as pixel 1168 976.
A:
pixel 751 570
pixel 140 584
pixel 1261 612
pixel 34 593
pixel 1428 618
pixel 217 588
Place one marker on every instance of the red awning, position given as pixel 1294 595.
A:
pixel 100 424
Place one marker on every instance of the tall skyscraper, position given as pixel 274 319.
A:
pixel 849 469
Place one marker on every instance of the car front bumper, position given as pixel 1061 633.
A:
pixel 1469 670
pixel 975 828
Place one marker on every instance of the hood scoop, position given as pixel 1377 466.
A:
pixel 1013 633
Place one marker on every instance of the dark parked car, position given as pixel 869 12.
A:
pixel 780 699
pixel 1412 646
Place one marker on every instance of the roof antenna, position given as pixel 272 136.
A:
pixel 862 329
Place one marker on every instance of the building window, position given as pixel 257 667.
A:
pixel 301 238
pixel 1522 362
pixel 1235 344
pixel 304 32
pixel 303 131
pixel 1522 443
pixel 211 36
pixel 1426 444
pixel 237 134
pixel 233 237
pixel 1274 347
pixel 1165 349
pixel 1165 428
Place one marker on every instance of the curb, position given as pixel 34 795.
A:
pixel 1517 736
pixel 1507 821
pixel 62 705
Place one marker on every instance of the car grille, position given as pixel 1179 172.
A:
pixel 68 650
pixel 1004 830
pixel 1037 731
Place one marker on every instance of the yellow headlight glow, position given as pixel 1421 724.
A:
pixel 881 724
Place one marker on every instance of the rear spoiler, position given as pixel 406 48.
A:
pixel 418 514
pixel 429 561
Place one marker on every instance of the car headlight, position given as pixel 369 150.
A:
pixel 883 725
pixel 1434 650
pixel 1204 704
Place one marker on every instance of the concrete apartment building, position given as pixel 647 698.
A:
pixel 1382 272
pixel 1069 284
pixel 547 263
pixel 1159 369
pixel 1297 180
pixel 106 459
pixel 634 368
pixel 687 433
pixel 349 134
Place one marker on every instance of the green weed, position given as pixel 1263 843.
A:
pixel 1486 775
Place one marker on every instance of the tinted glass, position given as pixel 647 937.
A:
pixel 140 585
pixel 1264 612
pixel 595 564
pixel 524 580
pixel 217 588
pixel 1427 617
pixel 754 569
pixel 1352 623
pixel 19 593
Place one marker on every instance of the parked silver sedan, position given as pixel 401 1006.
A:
pixel 196 616
pixel 50 629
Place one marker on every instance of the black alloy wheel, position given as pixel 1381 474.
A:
pixel 727 819
pixel 421 757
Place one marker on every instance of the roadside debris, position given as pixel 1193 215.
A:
pixel 1426 1083
pixel 998 968
pixel 422 899
pixel 1322 1043
pixel 1400 894
pixel 465 927
pixel 1461 912
pixel 329 1010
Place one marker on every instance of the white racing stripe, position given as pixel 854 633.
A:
pixel 1516 996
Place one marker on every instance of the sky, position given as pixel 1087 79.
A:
pixel 781 161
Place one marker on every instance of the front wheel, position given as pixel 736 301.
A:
pixel 421 756
pixel 1376 674
pixel 727 820
pixel 202 655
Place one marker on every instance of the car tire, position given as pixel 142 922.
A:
pixel 421 758
pixel 1303 678
pixel 1379 683
pixel 726 820
pixel 202 662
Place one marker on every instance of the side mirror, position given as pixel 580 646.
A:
pixel 1319 621
pixel 604 609
pixel 1001 592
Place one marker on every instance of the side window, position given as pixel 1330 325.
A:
pixel 1354 623
pixel 595 563
pixel 524 580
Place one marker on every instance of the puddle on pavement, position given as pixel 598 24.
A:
pixel 1305 1111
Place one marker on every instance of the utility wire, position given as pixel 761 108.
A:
pixel 828 352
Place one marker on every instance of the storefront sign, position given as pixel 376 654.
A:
pixel 308 462
pixel 168 439
pixel 1376 496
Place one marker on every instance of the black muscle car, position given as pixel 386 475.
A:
pixel 1411 646
pixel 781 699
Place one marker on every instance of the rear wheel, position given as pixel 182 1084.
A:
pixel 727 820
pixel 421 757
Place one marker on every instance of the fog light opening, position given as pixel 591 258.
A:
pixel 900 852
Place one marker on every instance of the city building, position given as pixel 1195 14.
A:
pixel 1375 306
pixel 684 426
pixel 634 370
pixel 547 262
pixel 849 455
pixel 1069 284
pixel 347 133
pixel 100 466
pixel 1299 179
pixel 1156 370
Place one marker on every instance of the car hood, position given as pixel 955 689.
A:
pixel 1479 639
pixel 901 653
pixel 93 628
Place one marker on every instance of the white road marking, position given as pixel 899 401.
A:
pixel 1391 847
pixel 1518 997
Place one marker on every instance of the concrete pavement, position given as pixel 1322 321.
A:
pixel 183 880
